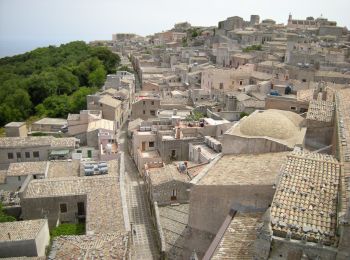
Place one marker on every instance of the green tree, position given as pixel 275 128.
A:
pixel 54 106
pixel 78 99
pixel 110 60
pixel 243 114
pixel 51 71
pixel 97 77
pixel 195 116
pixel 66 81
pixel 4 217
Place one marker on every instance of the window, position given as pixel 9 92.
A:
pixel 153 112
pixel 27 154
pixel 79 151
pixel 221 85
pixel 19 178
pixel 10 156
pixel 293 108
pixel 152 103
pixel 19 155
pixel 173 195
pixel 36 154
pixel 303 80
pixel 241 82
pixel 151 144
pixel 144 102
pixel 144 112
pixel 63 208
pixel 173 153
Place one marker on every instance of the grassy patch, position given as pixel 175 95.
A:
pixel 68 229
pixel 253 48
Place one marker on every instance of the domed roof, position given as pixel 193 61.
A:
pixel 272 123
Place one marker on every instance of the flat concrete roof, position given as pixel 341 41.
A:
pixel 15 124
pixel 51 121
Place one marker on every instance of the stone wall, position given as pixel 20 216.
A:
pixel 18 248
pixel 34 208
pixel 293 249
pixel 239 145
pixel 209 204
pixel 162 193
pixel 287 104
pixel 318 137
pixel 5 162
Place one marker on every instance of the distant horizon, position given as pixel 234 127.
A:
pixel 27 25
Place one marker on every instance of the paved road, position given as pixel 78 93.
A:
pixel 143 233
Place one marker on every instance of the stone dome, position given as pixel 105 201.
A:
pixel 276 124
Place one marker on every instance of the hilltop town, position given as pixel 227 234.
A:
pixel 222 142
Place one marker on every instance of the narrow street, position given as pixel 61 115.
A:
pixel 143 233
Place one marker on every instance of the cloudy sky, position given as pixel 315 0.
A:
pixel 26 24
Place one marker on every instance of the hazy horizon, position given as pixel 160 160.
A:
pixel 28 24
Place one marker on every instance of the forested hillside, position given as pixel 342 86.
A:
pixel 52 81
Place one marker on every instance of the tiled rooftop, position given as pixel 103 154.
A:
pixel 26 168
pixel 167 173
pixel 343 108
pixel 245 169
pixel 321 111
pixel 305 202
pixel 104 213
pixel 102 246
pixel 174 220
pixel 343 134
pixel 63 168
pixel 33 141
pixel 20 230
pixel 110 101
pixel 237 242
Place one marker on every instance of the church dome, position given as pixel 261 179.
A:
pixel 272 123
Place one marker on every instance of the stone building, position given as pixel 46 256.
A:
pixel 78 123
pixel 24 238
pixel 243 182
pixel 320 124
pixel 17 174
pixel 304 208
pixel 167 184
pixel 49 125
pixel 16 129
pixel 145 107
pixel 309 22
pixel 28 149
pixel 265 131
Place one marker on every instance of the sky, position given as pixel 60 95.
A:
pixel 27 24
